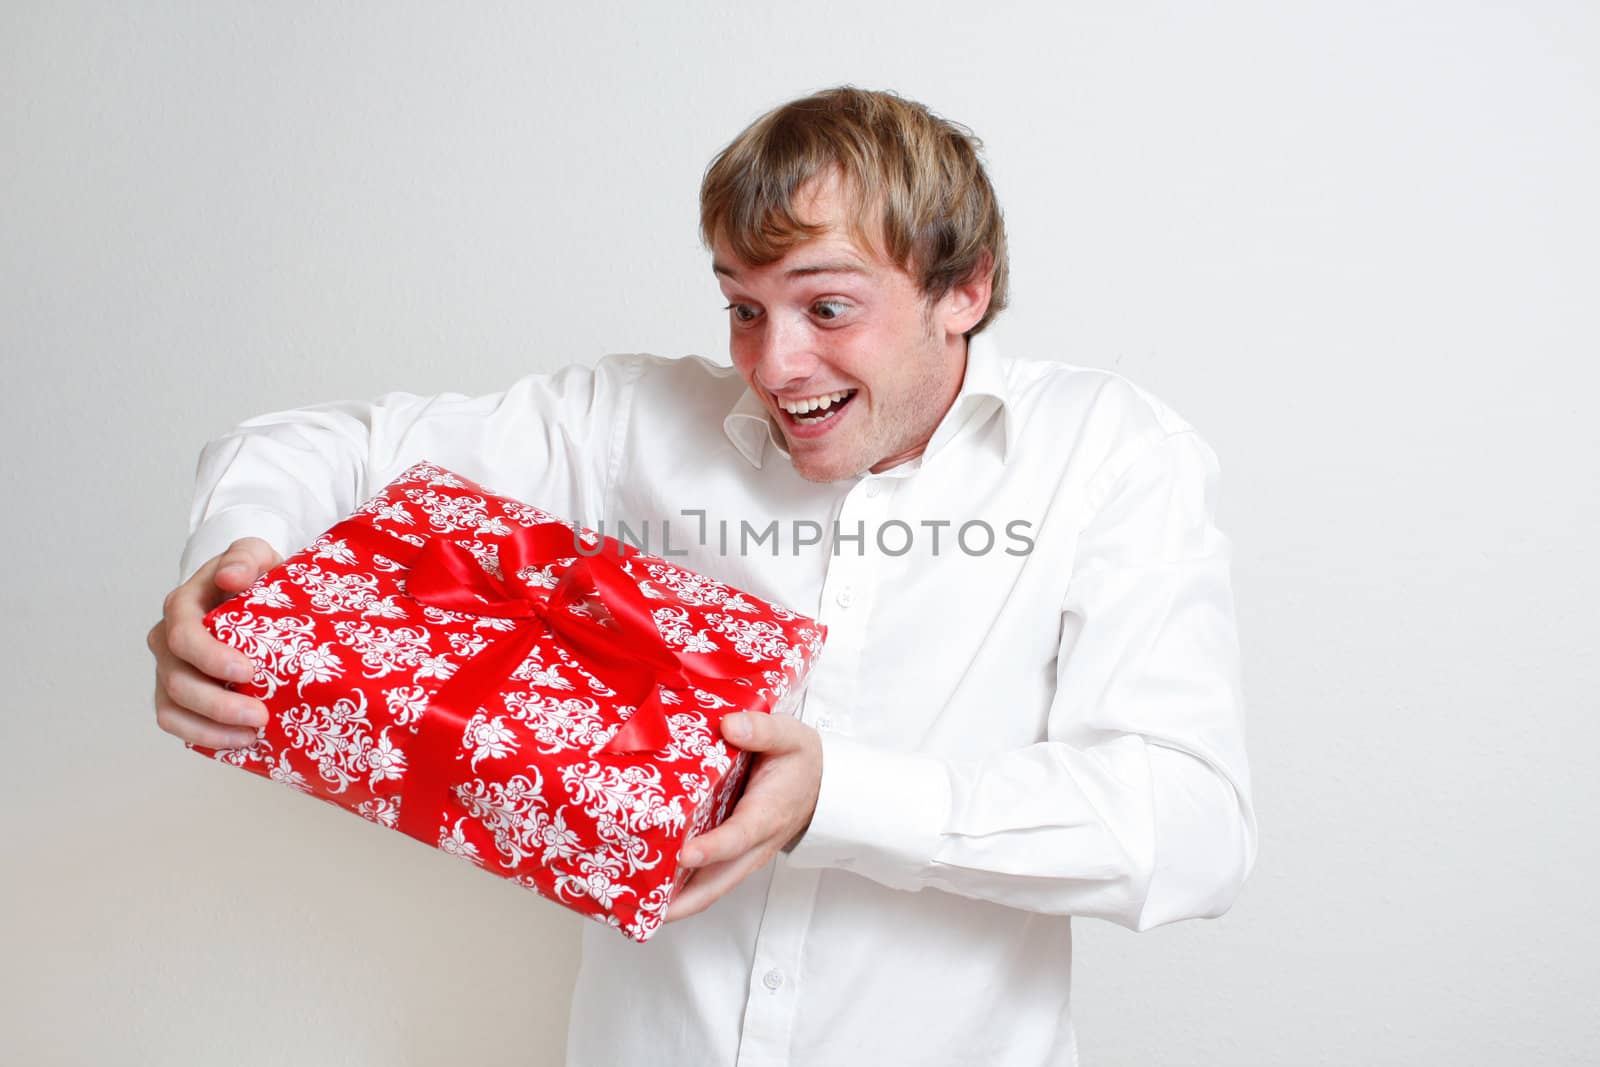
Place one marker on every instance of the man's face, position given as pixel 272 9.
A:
pixel 834 327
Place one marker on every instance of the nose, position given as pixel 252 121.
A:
pixel 785 355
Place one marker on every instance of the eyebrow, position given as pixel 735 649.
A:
pixel 840 266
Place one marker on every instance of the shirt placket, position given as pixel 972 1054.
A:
pixel 848 589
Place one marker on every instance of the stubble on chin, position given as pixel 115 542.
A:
pixel 819 475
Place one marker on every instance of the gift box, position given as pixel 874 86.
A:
pixel 535 698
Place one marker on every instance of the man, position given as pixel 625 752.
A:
pixel 1028 707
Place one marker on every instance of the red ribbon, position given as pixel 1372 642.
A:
pixel 630 657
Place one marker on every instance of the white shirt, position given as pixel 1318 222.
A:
pixel 1010 738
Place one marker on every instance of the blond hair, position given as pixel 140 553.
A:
pixel 937 216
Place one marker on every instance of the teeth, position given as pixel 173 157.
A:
pixel 814 403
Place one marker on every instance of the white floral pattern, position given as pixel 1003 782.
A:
pixel 679 631
pixel 385 761
pixel 265 594
pixel 332 593
pixel 284 774
pixel 384 649
pixel 334 549
pixel 533 787
pixel 449 513
pixel 687 586
pixel 337 736
pixel 283 648
pixel 385 811
pixel 488 738
pixel 406 703
pixel 754 639
pixel 559 724
pixel 540 675
pixel 454 841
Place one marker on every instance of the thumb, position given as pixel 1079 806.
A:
pixel 245 560
pixel 757 731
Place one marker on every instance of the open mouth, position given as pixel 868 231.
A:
pixel 818 409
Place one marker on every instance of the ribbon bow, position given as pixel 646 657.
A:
pixel 629 655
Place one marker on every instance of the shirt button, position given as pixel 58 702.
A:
pixel 772 979
pixel 874 489
pixel 845 597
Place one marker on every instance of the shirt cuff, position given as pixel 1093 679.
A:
pixel 879 813
pixel 213 536
pixel 1201 825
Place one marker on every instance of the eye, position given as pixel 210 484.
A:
pixel 829 309
pixel 743 312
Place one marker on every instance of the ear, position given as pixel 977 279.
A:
pixel 964 305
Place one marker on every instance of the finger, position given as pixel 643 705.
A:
pixel 712 883
pixel 747 828
pixel 193 691
pixel 244 561
pixel 187 638
pixel 197 730
pixel 761 732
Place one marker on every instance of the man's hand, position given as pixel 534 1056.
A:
pixel 191 665
pixel 776 808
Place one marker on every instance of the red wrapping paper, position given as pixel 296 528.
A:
pixel 512 688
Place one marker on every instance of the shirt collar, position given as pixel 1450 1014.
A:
pixel 983 395
pixel 750 429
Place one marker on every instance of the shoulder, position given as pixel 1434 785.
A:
pixel 1099 421
pixel 682 381
pixel 631 377
pixel 672 395
pixel 682 372
pixel 1041 388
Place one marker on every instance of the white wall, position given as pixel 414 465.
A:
pixel 1351 242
